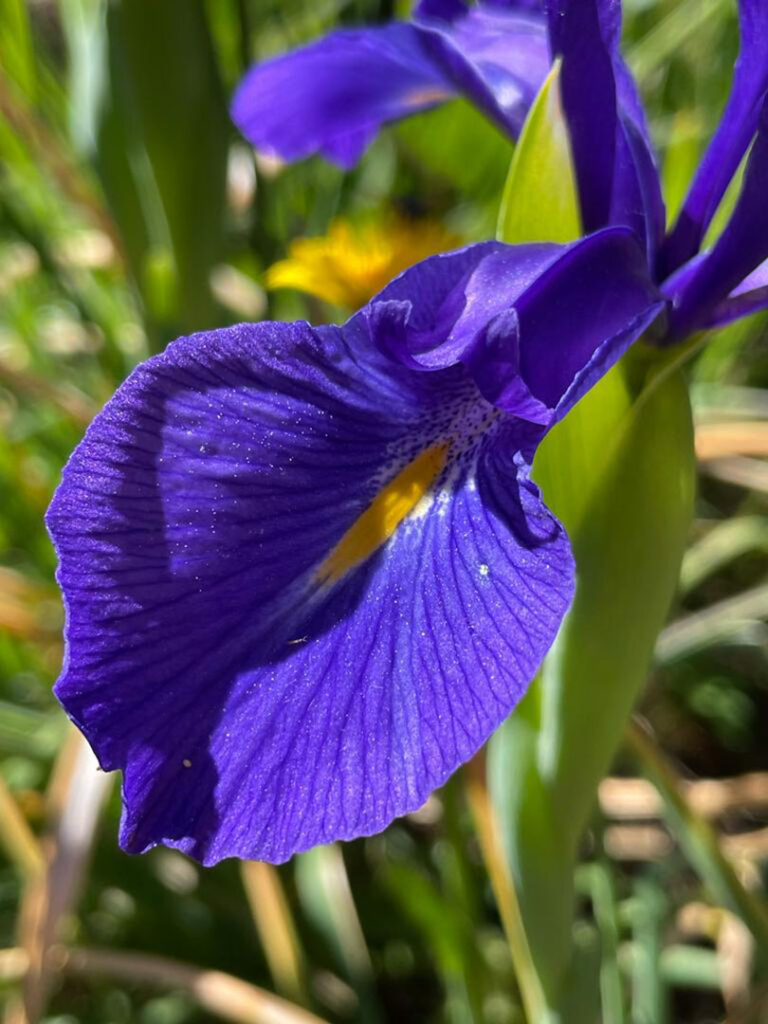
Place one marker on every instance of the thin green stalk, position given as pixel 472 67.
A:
pixel 489 836
pixel 457 884
pixel 602 890
pixel 649 994
pixel 326 898
pixel 20 844
pixel 277 930
pixel 669 34
pixel 699 840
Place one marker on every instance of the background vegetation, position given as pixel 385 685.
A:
pixel 131 212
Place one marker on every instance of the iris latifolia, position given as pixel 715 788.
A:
pixel 305 568
pixel 306 571
pixel 332 97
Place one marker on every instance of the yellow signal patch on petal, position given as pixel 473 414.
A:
pixel 353 262
pixel 385 513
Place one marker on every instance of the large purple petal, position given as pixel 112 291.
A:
pixel 730 141
pixel 256 708
pixel 742 246
pixel 332 96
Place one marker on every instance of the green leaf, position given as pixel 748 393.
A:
pixel 436 143
pixel 724 543
pixel 17 46
pixel 602 889
pixel 649 990
pixel 691 967
pixel 680 161
pixel 540 201
pixel 671 33
pixel 83 23
pixel 326 898
pixel 628 542
pixel 620 476
pixel 163 134
pixel 440 140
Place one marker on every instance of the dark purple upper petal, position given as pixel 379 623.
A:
pixel 730 141
pixel 264 683
pixel 613 157
pixel 589 99
pixel 636 199
pixel 582 314
pixel 741 247
pixel 332 96
pixel 495 55
pixel 574 306
pixel 446 9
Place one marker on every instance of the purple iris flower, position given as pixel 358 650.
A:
pixel 306 571
pixel 332 96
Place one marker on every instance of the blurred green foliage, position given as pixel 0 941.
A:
pixel 130 212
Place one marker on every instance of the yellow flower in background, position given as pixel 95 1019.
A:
pixel 353 262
